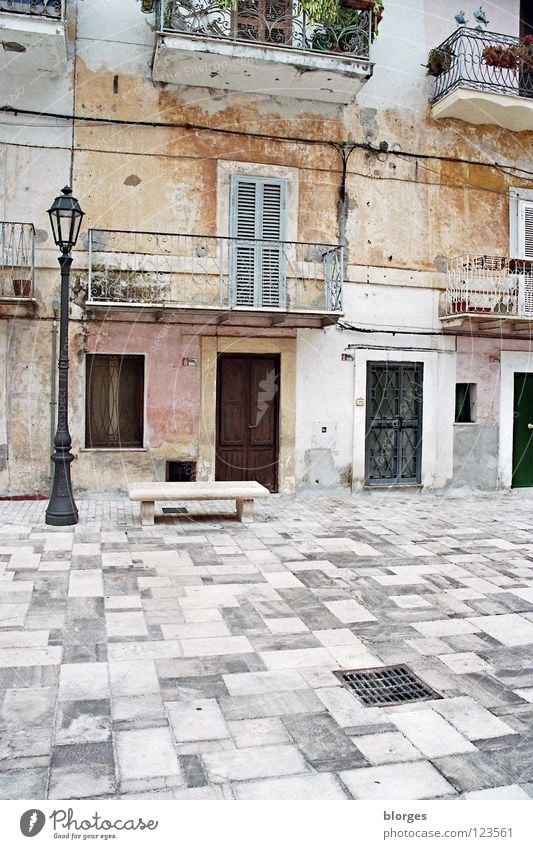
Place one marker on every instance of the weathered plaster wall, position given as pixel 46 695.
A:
pixel 403 215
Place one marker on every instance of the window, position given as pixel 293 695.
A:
pixel 257 255
pixel 465 403
pixel 114 401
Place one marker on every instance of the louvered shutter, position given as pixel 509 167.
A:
pixel 525 236
pixel 257 230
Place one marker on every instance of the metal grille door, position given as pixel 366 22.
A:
pixel 394 423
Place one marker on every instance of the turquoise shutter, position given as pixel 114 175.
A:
pixel 257 268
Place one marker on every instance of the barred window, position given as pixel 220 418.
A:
pixel 114 401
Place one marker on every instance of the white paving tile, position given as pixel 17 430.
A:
pixel 431 734
pixel 416 780
pixel 253 762
pixel 86 583
pixel 464 662
pixel 319 788
pixel 508 628
pixel 349 611
pixel 388 747
pixel 199 719
pixel 146 753
pixel 471 719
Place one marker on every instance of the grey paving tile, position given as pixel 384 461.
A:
pixel 324 745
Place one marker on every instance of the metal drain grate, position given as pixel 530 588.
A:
pixel 386 685
pixel 174 510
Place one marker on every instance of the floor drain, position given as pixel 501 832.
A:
pixel 386 685
pixel 174 509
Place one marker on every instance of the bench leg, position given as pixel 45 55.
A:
pixel 147 512
pixel 245 509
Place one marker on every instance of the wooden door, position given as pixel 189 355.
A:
pixel 247 419
pixel 523 430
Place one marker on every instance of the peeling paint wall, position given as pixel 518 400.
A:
pixel 403 215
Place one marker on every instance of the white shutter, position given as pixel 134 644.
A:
pixel 257 217
pixel 525 243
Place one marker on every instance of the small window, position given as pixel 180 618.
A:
pixel 114 401
pixel 465 402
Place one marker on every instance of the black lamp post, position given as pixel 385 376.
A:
pixel 65 218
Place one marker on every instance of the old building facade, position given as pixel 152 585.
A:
pixel 304 259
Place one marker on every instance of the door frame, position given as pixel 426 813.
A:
pixel 233 354
pixel 437 414
pixel 387 482
pixel 212 346
pixel 510 363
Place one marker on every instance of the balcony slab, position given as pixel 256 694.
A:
pixel 258 68
pixel 473 106
pixel 237 317
pixel 32 45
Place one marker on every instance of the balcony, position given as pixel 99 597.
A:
pixel 216 279
pixel 485 78
pixel 33 37
pixel 17 268
pixel 264 47
pixel 488 293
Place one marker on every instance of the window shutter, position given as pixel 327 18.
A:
pixel 257 218
pixel 526 229
pixel 525 242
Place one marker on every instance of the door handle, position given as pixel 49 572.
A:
pixel 530 426
pixel 253 427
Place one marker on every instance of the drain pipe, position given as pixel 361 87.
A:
pixel 53 379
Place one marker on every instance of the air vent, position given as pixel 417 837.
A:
pixel 386 685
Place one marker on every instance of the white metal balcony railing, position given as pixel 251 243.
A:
pixel 213 272
pixel 17 260
pixel 42 8
pixel 485 61
pixel 489 285
pixel 276 23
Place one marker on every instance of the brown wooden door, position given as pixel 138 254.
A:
pixel 247 419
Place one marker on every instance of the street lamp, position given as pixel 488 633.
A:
pixel 65 218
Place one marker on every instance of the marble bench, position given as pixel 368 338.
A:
pixel 243 492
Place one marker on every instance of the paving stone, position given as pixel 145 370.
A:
pixel 389 747
pixel 268 731
pixel 87 582
pixel 24 784
pixel 263 682
pixel 350 611
pixel 253 762
pixel 417 780
pixel 133 678
pixel 431 734
pixel 324 745
pixel 147 753
pixel 464 662
pixel 471 719
pixel 511 791
pixel 510 629
pixel 200 719
pixel 474 771
pixel 83 681
pixel 318 788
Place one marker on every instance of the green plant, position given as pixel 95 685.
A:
pixel 439 61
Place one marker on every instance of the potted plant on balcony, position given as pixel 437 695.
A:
pixel 439 61
pixel 22 287
pixel 498 56
pixel 342 29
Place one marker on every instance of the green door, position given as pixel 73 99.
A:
pixel 523 430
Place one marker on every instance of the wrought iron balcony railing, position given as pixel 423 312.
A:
pixel 42 8
pixel 275 23
pixel 213 272
pixel 485 61
pixel 488 285
pixel 17 260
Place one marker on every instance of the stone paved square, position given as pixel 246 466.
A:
pixel 194 659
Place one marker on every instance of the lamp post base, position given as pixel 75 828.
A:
pixel 61 519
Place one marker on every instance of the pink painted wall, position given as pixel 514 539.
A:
pixel 478 361
pixel 172 390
